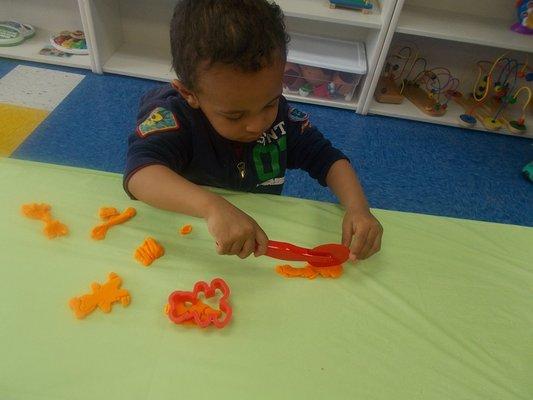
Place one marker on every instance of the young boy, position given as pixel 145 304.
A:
pixel 225 123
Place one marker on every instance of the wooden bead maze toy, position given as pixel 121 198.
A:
pixel 500 96
pixel 390 85
pixel 431 89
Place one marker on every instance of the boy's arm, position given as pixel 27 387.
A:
pixel 160 187
pixel 309 150
pixel 234 231
pixel 358 224
pixel 154 161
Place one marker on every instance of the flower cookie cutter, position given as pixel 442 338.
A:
pixel 186 307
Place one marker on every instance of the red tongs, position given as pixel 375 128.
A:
pixel 326 255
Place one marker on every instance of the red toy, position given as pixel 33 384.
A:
pixel 292 77
pixel 321 90
pixel 326 255
pixel 185 307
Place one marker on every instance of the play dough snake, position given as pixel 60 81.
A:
pixel 112 218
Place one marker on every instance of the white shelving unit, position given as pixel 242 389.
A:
pixel 461 27
pixel 316 18
pixel 409 111
pixel 47 16
pixel 452 34
pixel 319 10
pixel 130 37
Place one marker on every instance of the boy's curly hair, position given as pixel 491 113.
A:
pixel 247 34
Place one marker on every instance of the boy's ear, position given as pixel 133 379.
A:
pixel 187 94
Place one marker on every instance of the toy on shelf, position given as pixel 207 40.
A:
pixel 13 33
pixel 343 83
pixel 309 271
pixel 318 82
pixel 149 251
pixel 112 217
pixel 43 212
pixel 518 126
pixel 365 6
pixel 102 296
pixel 292 77
pixel 431 89
pixel 186 307
pixel 496 90
pixel 70 42
pixel 387 90
pixel 524 9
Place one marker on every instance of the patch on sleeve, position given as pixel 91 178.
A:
pixel 159 120
pixel 296 115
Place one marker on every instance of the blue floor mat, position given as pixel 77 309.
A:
pixel 403 165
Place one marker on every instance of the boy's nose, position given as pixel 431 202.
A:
pixel 258 125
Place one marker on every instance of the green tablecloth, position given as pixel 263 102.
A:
pixel 445 311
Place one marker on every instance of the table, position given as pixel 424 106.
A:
pixel 444 311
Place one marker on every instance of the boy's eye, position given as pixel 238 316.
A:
pixel 236 117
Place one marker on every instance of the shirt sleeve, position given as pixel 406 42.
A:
pixel 307 148
pixel 160 138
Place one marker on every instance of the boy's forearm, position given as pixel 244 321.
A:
pixel 161 187
pixel 343 181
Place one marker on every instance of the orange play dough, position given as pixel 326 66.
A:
pixel 186 229
pixel 111 218
pixel 102 296
pixel 43 212
pixel 309 271
pixel 149 251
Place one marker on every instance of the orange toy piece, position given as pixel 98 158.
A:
pixel 186 229
pixel 102 296
pixel 107 212
pixel 309 271
pixel 54 228
pixel 203 310
pixel 43 212
pixel 149 251
pixel 36 211
pixel 111 219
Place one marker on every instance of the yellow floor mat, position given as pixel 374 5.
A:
pixel 17 124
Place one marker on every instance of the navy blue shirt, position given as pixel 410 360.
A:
pixel 171 133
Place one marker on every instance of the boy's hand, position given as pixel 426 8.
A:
pixel 362 232
pixel 235 232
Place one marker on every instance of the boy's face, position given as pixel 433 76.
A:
pixel 239 105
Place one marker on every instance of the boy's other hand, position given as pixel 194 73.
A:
pixel 235 232
pixel 362 232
